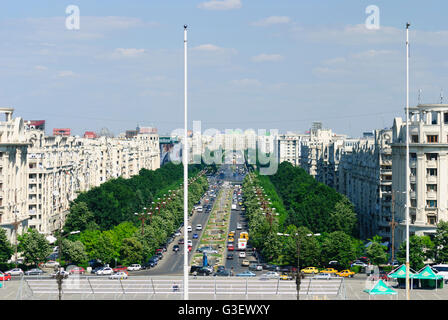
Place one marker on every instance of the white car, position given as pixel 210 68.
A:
pixel 199 227
pixel 359 263
pixel 324 276
pixel 177 233
pixel 119 275
pixel 189 229
pixel 270 275
pixel 64 274
pixel 134 267
pixel 105 271
pixel 15 272
pixel 190 243
pixel 51 264
pixel 239 226
pixel 242 254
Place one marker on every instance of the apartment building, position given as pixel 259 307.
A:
pixel 428 167
pixel 42 174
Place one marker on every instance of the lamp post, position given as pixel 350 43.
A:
pixel 185 160
pixel 298 280
pixel 142 217
pixel 407 162
pixel 59 275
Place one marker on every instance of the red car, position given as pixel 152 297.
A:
pixel 120 268
pixel 230 248
pixel 159 250
pixel 77 270
pixel 5 276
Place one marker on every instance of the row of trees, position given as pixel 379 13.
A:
pixel 283 250
pixel 124 241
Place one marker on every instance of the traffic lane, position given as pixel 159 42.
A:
pixel 172 262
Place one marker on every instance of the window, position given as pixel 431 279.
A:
pixel 432 138
pixel 431 156
pixel 413 156
pixel 445 118
pixel 413 172
pixel 431 187
pixel 414 138
pixel 413 203
pixel 431 220
pixel 412 187
pixel 431 172
pixel 431 203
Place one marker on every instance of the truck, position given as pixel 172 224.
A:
pixel 242 243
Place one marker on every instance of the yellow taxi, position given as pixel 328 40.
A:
pixel 285 276
pixel 345 273
pixel 230 239
pixel 231 234
pixel 245 263
pixel 310 270
pixel 329 270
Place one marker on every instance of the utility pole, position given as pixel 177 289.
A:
pixel 408 297
pixel 393 224
pixel 185 159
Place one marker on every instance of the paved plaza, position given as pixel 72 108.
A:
pixel 203 288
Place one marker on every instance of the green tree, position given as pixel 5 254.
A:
pixel 340 247
pixel 34 247
pixel 73 251
pixel 131 251
pixel 80 218
pixel 440 251
pixel 377 253
pixel 420 249
pixel 6 249
pixel 105 248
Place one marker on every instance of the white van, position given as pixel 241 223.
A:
pixel 442 269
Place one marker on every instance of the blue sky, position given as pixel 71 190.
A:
pixel 252 63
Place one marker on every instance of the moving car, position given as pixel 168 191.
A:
pixel 119 275
pixel 326 276
pixel 119 268
pixel 105 271
pixel 204 271
pixel 34 272
pixel 77 270
pixel 285 276
pixel 346 273
pixel 134 267
pixel 222 273
pixel 64 274
pixel 270 275
pixel 199 227
pixel 245 263
pixel 176 247
pixel 310 270
pixel 195 236
pixel 4 276
pixel 359 263
pixel 189 242
pixel 230 256
pixel 246 274
pixel 181 241
pixel 15 272
pixel 189 229
pixel 242 254
pixel 231 240
pixel 328 270
pixel 230 247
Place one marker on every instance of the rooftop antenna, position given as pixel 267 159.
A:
pixel 419 96
pixel 441 96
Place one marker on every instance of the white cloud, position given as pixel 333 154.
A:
pixel 66 74
pixel 41 68
pixel 267 57
pixel 246 82
pixel 221 5
pixel 207 47
pixel 128 52
pixel 272 20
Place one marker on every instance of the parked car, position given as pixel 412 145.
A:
pixel 246 274
pixel 204 271
pixel 15 272
pixel 64 274
pixel 181 241
pixel 119 275
pixel 105 271
pixel 253 266
pixel 4 276
pixel 384 276
pixel 159 255
pixel 176 248
pixel 310 270
pixel 119 268
pixel 359 263
pixel 77 270
pixel 94 271
pixel 34 272
pixel 221 268
pixel 177 233
pixel 134 267
pixel 51 264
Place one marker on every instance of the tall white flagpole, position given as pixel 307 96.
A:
pixel 185 159
pixel 407 163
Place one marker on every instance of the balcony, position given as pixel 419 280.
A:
pixel 431 195
pixel 431 179
pixel 431 164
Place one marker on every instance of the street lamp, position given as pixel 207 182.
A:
pixel 59 275
pixel 143 218
pixel 298 257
